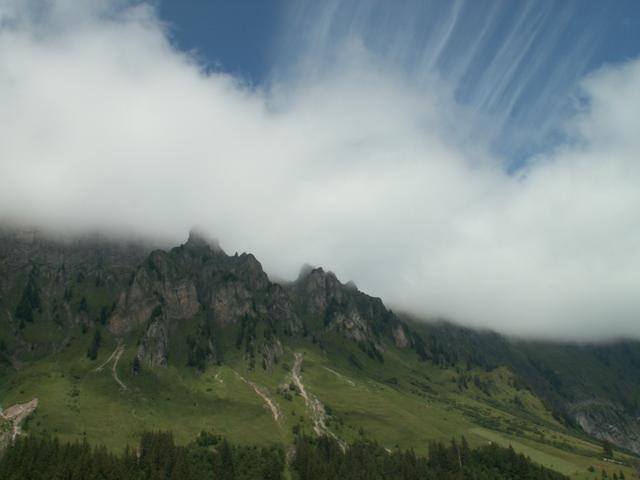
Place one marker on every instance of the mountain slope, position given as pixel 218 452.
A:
pixel 593 387
pixel 192 339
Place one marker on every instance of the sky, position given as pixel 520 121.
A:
pixel 469 160
pixel 516 62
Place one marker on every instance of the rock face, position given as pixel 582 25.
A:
pixel 234 292
pixel 11 420
pixel 607 421
pixel 158 283
pixel 199 280
pixel 47 280
pixel 154 347
pixel 343 308
pixel 400 337
pixel 271 353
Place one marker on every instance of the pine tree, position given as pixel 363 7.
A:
pixel 136 365
pixel 607 451
pixel 92 351
pixel 30 300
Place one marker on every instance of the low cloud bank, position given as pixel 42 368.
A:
pixel 104 125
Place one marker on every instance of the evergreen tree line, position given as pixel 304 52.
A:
pixel 323 459
pixel 212 458
pixel 157 458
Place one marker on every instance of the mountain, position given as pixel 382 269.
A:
pixel 116 337
pixel 591 387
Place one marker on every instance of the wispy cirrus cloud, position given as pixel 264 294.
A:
pixel 513 65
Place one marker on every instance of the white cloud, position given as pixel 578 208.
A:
pixel 104 125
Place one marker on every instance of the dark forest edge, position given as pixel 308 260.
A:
pixel 211 457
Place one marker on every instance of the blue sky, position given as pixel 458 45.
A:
pixel 517 62
pixel 237 36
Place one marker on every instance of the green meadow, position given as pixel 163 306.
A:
pixel 400 403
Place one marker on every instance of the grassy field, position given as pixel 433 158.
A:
pixel 400 403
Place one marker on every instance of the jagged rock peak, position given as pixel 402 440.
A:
pixel 351 285
pixel 199 240
pixel 310 272
pixel 305 270
pixel 250 260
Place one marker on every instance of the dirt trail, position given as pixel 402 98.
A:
pixel 16 414
pixel 340 376
pixel 106 362
pixel 115 368
pixel 115 358
pixel 263 393
pixel 315 406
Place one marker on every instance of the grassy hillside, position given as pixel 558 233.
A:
pixel 401 403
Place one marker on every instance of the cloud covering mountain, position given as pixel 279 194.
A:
pixel 104 124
